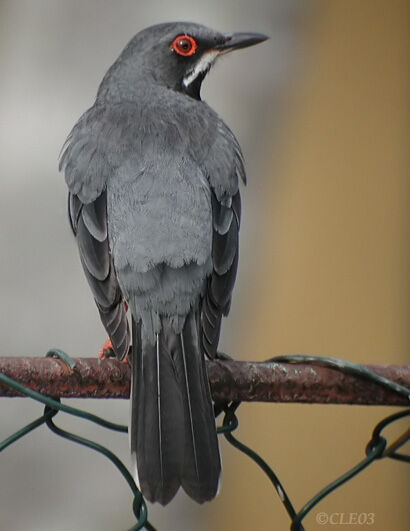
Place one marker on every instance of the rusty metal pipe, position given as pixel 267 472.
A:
pixel 230 381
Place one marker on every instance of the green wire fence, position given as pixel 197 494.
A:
pixel 377 447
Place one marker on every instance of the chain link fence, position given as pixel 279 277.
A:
pixel 353 381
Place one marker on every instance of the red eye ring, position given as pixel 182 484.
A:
pixel 184 45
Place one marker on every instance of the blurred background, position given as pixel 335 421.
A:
pixel 321 113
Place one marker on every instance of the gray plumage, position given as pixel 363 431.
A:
pixel 153 177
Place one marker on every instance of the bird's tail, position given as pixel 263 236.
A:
pixel 173 433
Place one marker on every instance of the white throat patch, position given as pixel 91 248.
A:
pixel 203 65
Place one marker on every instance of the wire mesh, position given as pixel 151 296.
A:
pixel 377 448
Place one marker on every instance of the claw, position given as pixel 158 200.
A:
pixel 106 351
pixel 223 357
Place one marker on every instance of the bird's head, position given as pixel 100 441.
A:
pixel 177 55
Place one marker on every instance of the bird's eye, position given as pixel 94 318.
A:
pixel 184 45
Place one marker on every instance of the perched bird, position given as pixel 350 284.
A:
pixel 152 173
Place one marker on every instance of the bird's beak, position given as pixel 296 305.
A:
pixel 235 41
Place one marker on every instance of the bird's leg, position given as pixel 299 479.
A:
pixel 106 351
pixel 222 356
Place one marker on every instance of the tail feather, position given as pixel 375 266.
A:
pixel 201 469
pixel 173 433
pixel 156 422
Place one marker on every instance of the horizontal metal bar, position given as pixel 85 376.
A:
pixel 230 381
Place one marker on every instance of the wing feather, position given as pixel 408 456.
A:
pixel 225 253
pixel 224 168
pixel 95 254
pixel 95 218
pixel 224 248
pixel 222 216
pixel 89 224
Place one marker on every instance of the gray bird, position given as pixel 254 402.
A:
pixel 152 173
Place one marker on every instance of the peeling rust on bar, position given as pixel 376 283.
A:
pixel 91 377
pixel 281 382
pixel 230 381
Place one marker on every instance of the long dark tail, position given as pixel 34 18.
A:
pixel 173 433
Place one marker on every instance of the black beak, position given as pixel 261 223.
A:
pixel 240 40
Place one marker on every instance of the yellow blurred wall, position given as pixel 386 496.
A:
pixel 333 279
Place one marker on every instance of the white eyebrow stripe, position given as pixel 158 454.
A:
pixel 201 66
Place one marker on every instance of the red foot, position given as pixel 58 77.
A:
pixel 106 350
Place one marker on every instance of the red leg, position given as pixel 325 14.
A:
pixel 106 350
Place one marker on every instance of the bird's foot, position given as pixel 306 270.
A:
pixel 223 357
pixel 106 351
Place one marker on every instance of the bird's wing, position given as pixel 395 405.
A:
pixel 224 166
pixel 89 224
pixel 86 174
